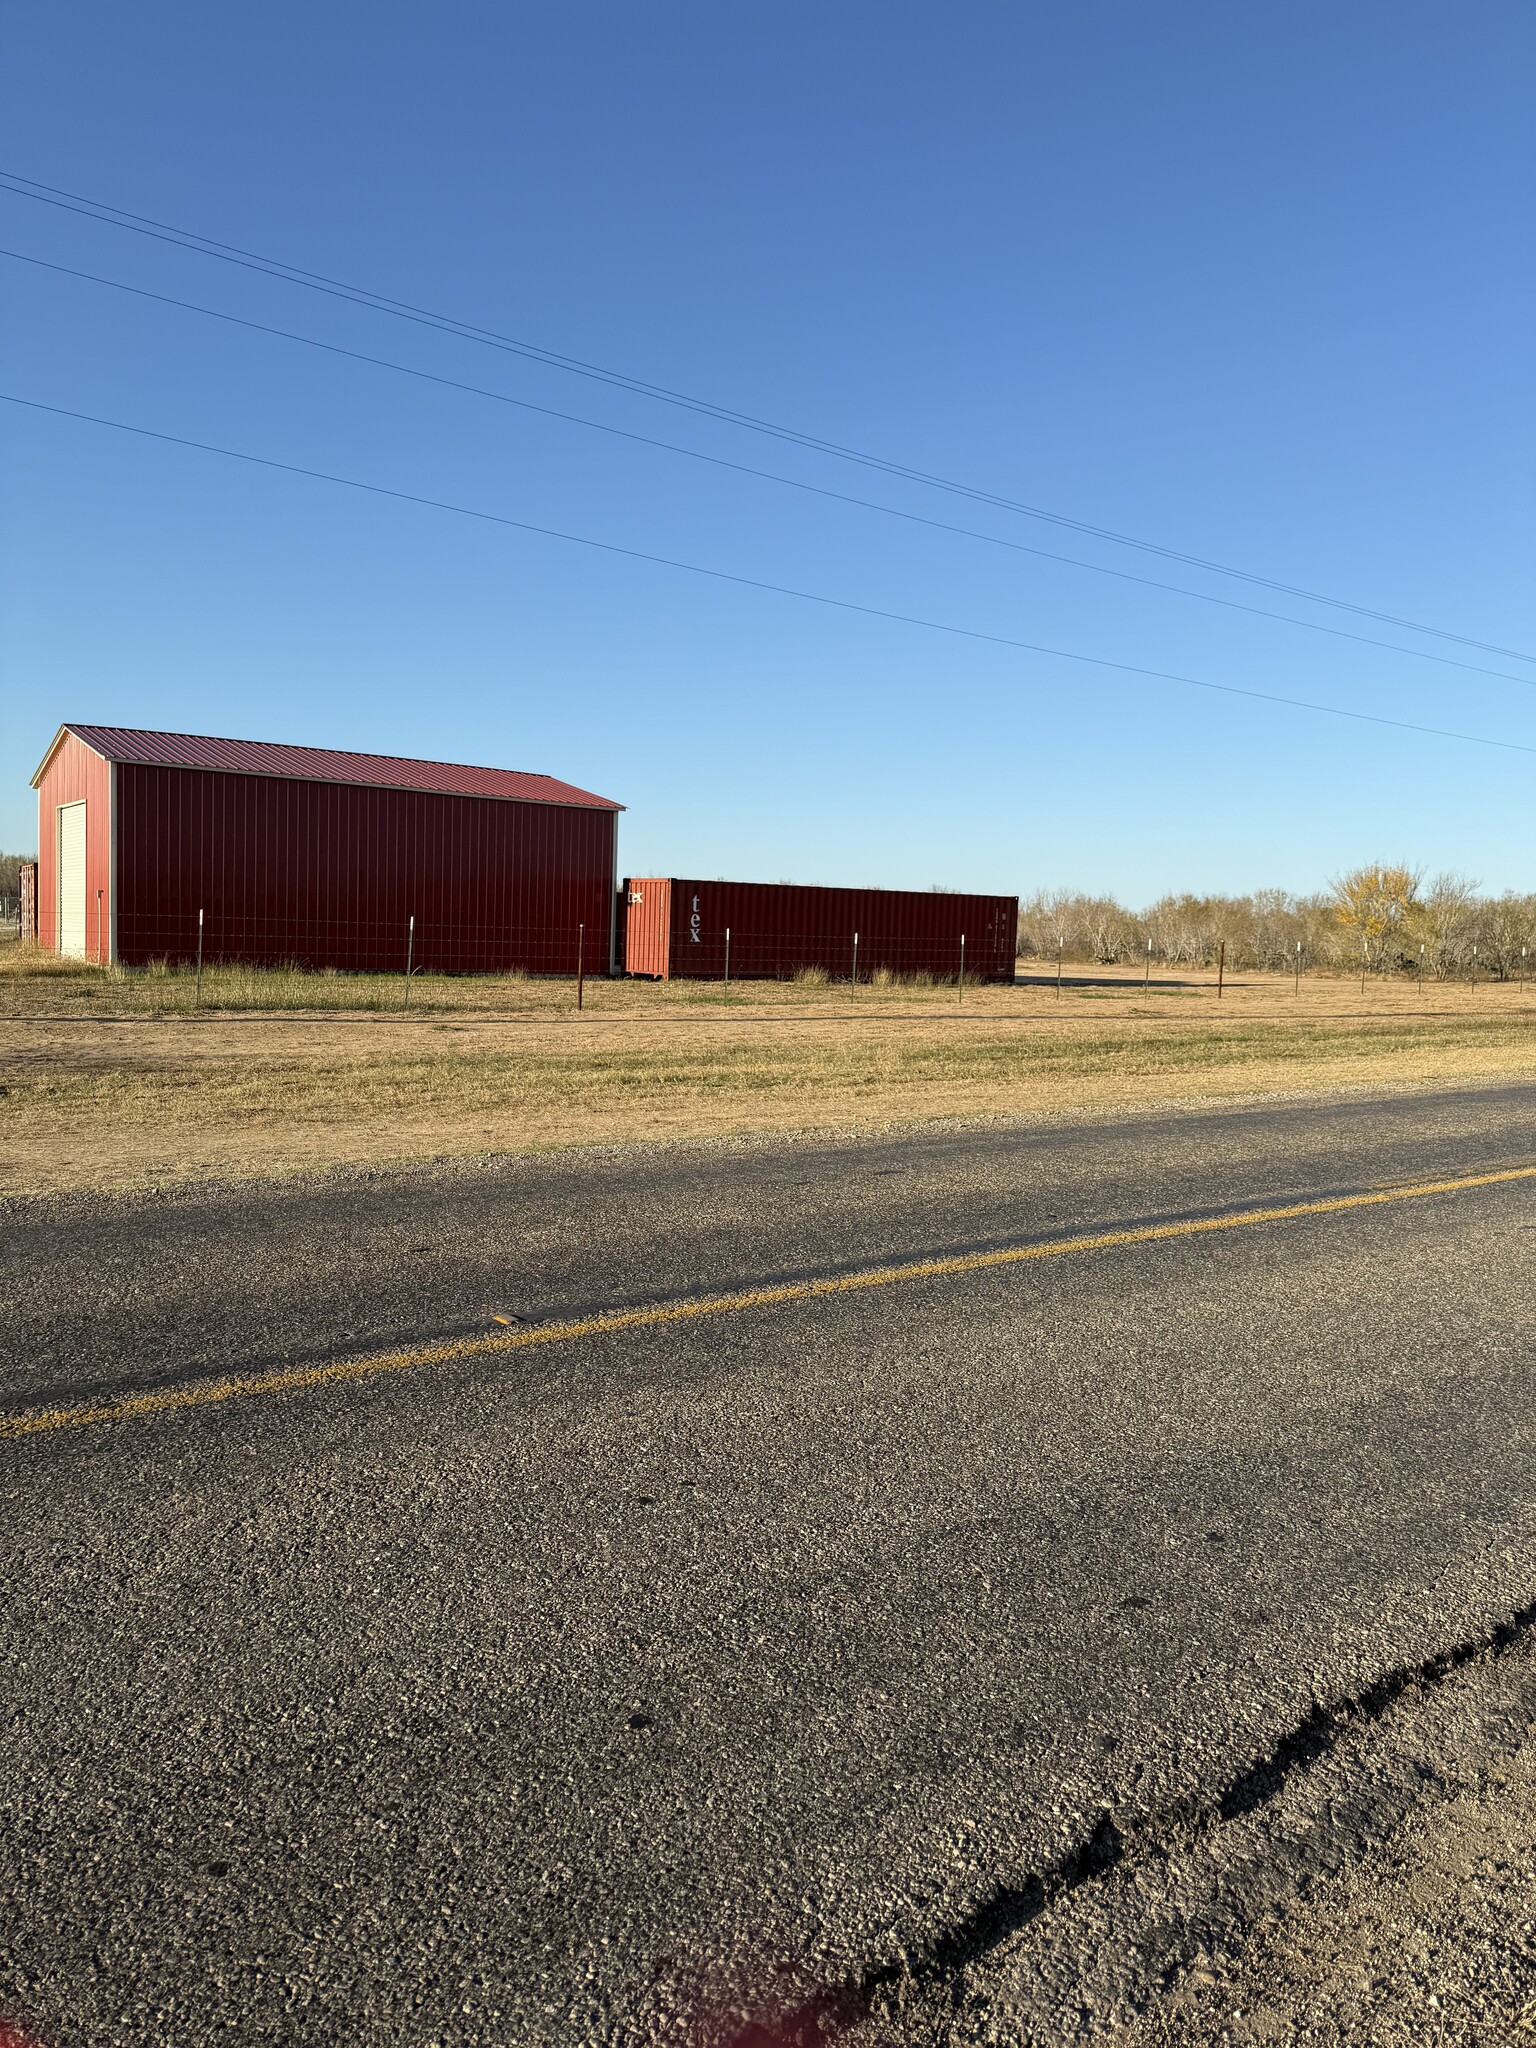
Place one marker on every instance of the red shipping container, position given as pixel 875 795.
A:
pixel 316 857
pixel 677 929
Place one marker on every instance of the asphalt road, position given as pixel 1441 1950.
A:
pixel 762 1676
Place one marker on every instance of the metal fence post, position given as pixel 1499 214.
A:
pixel 1146 978
pixel 101 958
pixel 1297 989
pixel 581 961
pixel 1522 970
pixel 1221 967
pixel 855 977
pixel 410 948
pixel 960 998
pixel 1060 943
pixel 727 960
pixel 197 994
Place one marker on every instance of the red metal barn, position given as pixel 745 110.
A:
pixel 678 928
pixel 317 857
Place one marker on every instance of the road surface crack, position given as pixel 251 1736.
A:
pixel 1315 1736
pixel 932 1977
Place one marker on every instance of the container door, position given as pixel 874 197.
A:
pixel 72 880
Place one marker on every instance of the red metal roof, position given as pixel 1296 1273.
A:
pixel 322 764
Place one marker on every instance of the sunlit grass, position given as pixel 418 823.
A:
pixel 612 1078
pixel 33 980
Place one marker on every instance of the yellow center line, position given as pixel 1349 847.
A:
pixel 34 1422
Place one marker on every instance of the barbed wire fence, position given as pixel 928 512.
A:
pixel 208 940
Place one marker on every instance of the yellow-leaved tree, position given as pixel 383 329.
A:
pixel 1377 905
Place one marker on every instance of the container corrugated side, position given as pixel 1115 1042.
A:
pixel 779 929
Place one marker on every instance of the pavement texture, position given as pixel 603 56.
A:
pixel 1018 1654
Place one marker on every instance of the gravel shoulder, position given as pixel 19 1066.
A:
pixel 1429 1937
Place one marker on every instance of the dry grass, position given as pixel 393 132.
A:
pixel 34 983
pixel 116 1083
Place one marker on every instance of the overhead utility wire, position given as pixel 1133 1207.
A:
pixel 768 475
pixel 845 604
pixel 311 280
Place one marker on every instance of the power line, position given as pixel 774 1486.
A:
pixel 609 547
pixel 767 475
pixel 310 280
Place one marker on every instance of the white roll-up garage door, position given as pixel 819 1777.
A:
pixel 72 880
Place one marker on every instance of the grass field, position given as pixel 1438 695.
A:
pixel 117 1082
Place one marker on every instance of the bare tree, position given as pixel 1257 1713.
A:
pixel 1444 921
pixel 1505 925
pixel 1377 916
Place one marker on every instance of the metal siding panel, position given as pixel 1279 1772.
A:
pixel 328 874
pixel 75 774
pixel 613 901
pixel 112 861
pixel 98 855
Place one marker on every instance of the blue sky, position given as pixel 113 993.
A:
pixel 1252 283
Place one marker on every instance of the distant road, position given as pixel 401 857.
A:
pixel 669 1680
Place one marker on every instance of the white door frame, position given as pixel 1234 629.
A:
pixel 73 952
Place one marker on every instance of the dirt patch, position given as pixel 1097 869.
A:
pixel 1432 1939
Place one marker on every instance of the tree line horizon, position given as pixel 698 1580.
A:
pixel 1382 918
